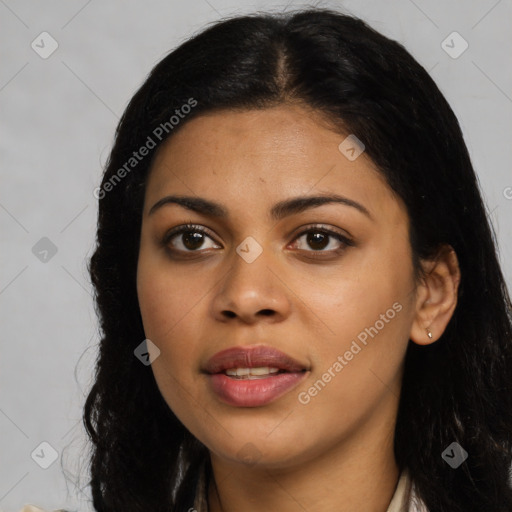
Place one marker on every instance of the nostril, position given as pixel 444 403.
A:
pixel 264 312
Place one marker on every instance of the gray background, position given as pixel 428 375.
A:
pixel 57 125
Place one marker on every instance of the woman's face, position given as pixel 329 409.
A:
pixel 271 273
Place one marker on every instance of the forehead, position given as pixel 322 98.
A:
pixel 262 156
pixel 265 137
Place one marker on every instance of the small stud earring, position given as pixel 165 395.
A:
pixel 429 334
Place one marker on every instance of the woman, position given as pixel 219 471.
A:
pixel 300 300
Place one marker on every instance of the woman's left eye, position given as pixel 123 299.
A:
pixel 317 238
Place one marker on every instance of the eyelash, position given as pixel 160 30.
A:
pixel 317 228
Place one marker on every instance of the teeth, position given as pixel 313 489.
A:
pixel 251 372
pixel 238 372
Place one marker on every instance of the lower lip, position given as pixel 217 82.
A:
pixel 254 392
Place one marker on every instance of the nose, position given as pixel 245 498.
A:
pixel 251 292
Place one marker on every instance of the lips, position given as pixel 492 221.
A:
pixel 274 374
pixel 252 357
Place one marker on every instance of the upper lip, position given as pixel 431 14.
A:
pixel 252 357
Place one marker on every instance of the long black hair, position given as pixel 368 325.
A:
pixel 458 389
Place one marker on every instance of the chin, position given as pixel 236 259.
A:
pixel 261 450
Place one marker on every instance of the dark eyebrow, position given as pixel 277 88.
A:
pixel 277 212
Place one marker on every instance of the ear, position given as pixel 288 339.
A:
pixel 436 296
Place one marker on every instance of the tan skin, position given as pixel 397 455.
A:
pixel 335 452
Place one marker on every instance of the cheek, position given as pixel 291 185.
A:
pixel 165 297
pixel 171 304
pixel 372 293
pixel 369 315
pixel 358 375
pixel 166 305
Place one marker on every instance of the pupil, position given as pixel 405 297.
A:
pixel 192 239
pixel 315 238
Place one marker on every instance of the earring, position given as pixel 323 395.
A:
pixel 429 333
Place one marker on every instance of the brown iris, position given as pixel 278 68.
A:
pixel 313 239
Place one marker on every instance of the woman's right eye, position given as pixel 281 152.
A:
pixel 187 238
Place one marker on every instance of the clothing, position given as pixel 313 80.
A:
pixel 404 499
pixel 34 508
